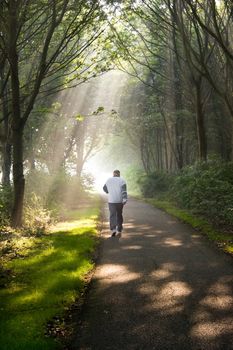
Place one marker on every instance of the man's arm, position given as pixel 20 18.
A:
pixel 124 193
pixel 105 189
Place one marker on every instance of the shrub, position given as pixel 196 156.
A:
pixel 6 199
pixel 76 190
pixel 207 188
pixel 57 190
pixel 155 183
pixel 36 217
pixel 38 182
pixel 48 195
pixel 132 176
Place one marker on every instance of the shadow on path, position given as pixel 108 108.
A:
pixel 159 286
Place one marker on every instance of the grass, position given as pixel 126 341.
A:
pixel 223 240
pixel 45 280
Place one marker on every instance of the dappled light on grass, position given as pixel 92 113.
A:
pixel 83 211
pixel 46 280
pixel 72 226
pixel 33 296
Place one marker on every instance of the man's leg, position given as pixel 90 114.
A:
pixel 119 209
pixel 113 216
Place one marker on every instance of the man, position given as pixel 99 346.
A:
pixel 117 197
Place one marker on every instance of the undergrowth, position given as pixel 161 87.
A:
pixel 42 276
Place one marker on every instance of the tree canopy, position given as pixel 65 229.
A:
pixel 175 108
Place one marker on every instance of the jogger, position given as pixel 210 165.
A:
pixel 117 197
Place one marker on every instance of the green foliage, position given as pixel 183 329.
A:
pixel 207 189
pixel 204 188
pixel 57 190
pixel 6 197
pixel 36 217
pixel 132 176
pixel 79 118
pixel 48 196
pixel 68 191
pixel 45 281
pixel 99 110
pixel 39 183
pixel 87 181
pixel 155 183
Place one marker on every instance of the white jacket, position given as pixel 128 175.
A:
pixel 116 188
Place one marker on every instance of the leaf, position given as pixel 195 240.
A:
pixel 56 105
pixel 98 111
pixel 79 117
pixel 114 113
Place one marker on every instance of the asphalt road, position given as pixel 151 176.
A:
pixel 158 286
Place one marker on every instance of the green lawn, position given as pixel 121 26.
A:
pixel 45 281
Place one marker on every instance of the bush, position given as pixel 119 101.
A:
pixel 6 199
pixel 38 182
pixel 76 190
pixel 132 176
pixel 207 189
pixel 36 217
pixel 155 183
pixel 56 192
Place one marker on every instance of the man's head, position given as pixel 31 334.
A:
pixel 116 173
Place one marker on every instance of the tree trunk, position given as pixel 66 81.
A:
pixel 201 134
pixel 6 165
pixel 165 151
pixel 80 149
pixel 17 125
pixel 144 159
pixel 18 178
pixel 79 167
pixel 178 106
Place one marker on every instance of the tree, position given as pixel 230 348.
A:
pixel 213 20
pixel 43 42
pixel 183 65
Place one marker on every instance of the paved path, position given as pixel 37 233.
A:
pixel 159 286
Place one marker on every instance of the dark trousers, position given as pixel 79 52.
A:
pixel 116 218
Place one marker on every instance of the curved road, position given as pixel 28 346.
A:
pixel 159 286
